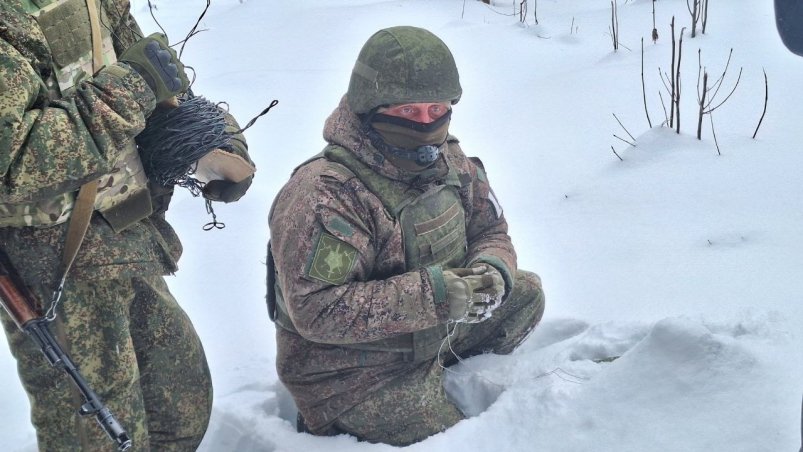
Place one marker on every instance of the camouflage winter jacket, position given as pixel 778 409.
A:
pixel 365 294
pixel 61 127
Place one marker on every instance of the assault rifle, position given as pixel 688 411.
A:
pixel 20 304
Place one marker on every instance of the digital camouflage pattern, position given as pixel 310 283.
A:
pixel 137 349
pixel 32 195
pixel 380 297
pixel 403 64
pixel 128 336
pixel 415 406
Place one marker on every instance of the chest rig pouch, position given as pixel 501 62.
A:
pixel 433 226
pixel 123 197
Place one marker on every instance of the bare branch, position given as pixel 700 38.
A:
pixel 721 78
pixel 643 89
pixel 663 105
pixel 623 127
pixel 714 133
pixel 729 94
pixel 616 154
pixel 677 81
pixel 665 79
pixel 617 136
pixel 673 82
pixel 699 73
pixel 701 102
pixel 766 96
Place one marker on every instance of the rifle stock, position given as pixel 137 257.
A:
pixel 20 304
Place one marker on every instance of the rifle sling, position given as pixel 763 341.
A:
pixel 85 201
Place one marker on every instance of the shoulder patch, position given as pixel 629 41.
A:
pixel 332 260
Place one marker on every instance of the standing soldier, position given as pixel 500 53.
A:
pixel 77 84
pixel 389 254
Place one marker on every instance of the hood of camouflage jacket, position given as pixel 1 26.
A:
pixel 344 128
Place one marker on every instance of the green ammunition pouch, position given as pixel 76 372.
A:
pixel 433 225
pixel 123 197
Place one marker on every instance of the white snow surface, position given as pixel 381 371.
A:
pixel 684 262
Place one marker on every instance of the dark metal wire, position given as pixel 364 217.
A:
pixel 174 139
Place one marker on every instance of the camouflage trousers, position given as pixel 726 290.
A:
pixel 137 349
pixel 415 405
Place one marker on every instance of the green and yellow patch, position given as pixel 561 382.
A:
pixel 332 260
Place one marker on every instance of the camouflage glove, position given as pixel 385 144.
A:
pixel 158 64
pixel 226 191
pixel 464 293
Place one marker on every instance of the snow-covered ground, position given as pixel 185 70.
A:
pixel 686 263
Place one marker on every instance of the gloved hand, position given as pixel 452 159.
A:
pixel 226 191
pixel 468 294
pixel 158 64
pixel 493 283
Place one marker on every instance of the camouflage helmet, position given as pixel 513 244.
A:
pixel 403 65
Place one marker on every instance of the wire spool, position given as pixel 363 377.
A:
pixel 174 139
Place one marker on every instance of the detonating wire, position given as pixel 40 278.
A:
pixel 254 119
pixel 174 139
pixel 214 224
pixel 557 372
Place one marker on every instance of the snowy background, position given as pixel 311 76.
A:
pixel 686 263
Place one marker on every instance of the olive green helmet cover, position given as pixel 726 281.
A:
pixel 400 65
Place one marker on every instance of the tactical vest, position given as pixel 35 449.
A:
pixel 433 224
pixel 123 197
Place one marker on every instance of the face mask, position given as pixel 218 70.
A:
pixel 410 140
pixel 411 135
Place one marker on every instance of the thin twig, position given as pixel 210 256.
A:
pixel 616 154
pixel 699 73
pixel 729 94
pixel 623 127
pixel 701 101
pixel 665 79
pixel 643 89
pixel 614 32
pixel 718 82
pixel 617 136
pixel 672 83
pixel 766 96
pixel 663 105
pixel 714 133
pixel 677 80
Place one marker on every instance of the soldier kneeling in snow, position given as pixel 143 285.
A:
pixel 389 254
